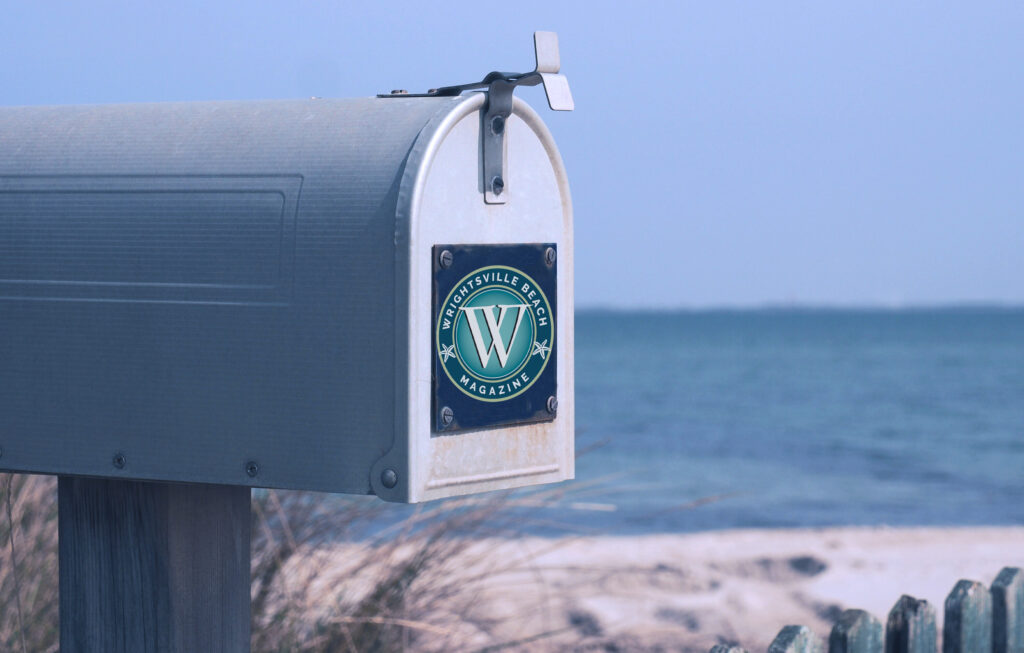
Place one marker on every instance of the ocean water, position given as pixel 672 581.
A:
pixel 793 418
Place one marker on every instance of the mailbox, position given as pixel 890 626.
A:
pixel 366 295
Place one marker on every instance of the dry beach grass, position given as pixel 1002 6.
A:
pixel 415 585
pixel 28 563
pixel 420 584
pixel 460 576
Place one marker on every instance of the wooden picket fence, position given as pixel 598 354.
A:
pixel 977 620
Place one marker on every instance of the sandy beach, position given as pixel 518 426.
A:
pixel 685 592
pixel 689 592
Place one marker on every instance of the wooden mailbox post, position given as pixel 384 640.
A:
pixel 364 296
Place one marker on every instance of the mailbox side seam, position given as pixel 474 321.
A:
pixel 404 449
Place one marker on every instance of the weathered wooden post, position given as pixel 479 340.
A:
pixel 370 295
pixel 796 639
pixel 1008 611
pixel 153 566
pixel 911 627
pixel 968 623
pixel 856 631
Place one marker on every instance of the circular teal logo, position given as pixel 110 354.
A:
pixel 495 333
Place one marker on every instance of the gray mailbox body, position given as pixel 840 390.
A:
pixel 246 293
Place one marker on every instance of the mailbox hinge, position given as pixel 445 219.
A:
pixel 498 107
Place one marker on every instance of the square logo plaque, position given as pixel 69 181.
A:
pixel 494 335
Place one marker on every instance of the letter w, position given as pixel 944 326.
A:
pixel 494 324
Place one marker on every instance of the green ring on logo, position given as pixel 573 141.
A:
pixel 493 338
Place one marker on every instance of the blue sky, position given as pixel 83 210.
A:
pixel 721 154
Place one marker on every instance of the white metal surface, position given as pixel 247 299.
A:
pixel 438 203
pixel 545 47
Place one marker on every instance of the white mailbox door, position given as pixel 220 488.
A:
pixel 488 312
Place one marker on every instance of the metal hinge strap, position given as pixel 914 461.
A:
pixel 500 87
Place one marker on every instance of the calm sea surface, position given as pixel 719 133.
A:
pixel 799 418
pixel 788 418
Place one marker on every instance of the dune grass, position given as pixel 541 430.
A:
pixel 28 564
pixel 326 576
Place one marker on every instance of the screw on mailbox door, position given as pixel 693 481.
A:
pixel 389 478
pixel 252 469
pixel 119 460
pixel 447 416
pixel 498 125
pixel 497 185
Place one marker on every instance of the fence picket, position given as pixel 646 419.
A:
pixel 977 620
pixel 796 639
pixel 968 626
pixel 1008 611
pixel 856 631
pixel 911 627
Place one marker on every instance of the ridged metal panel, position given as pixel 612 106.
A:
pixel 201 285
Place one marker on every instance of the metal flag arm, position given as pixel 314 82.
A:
pixel 556 86
pixel 498 107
